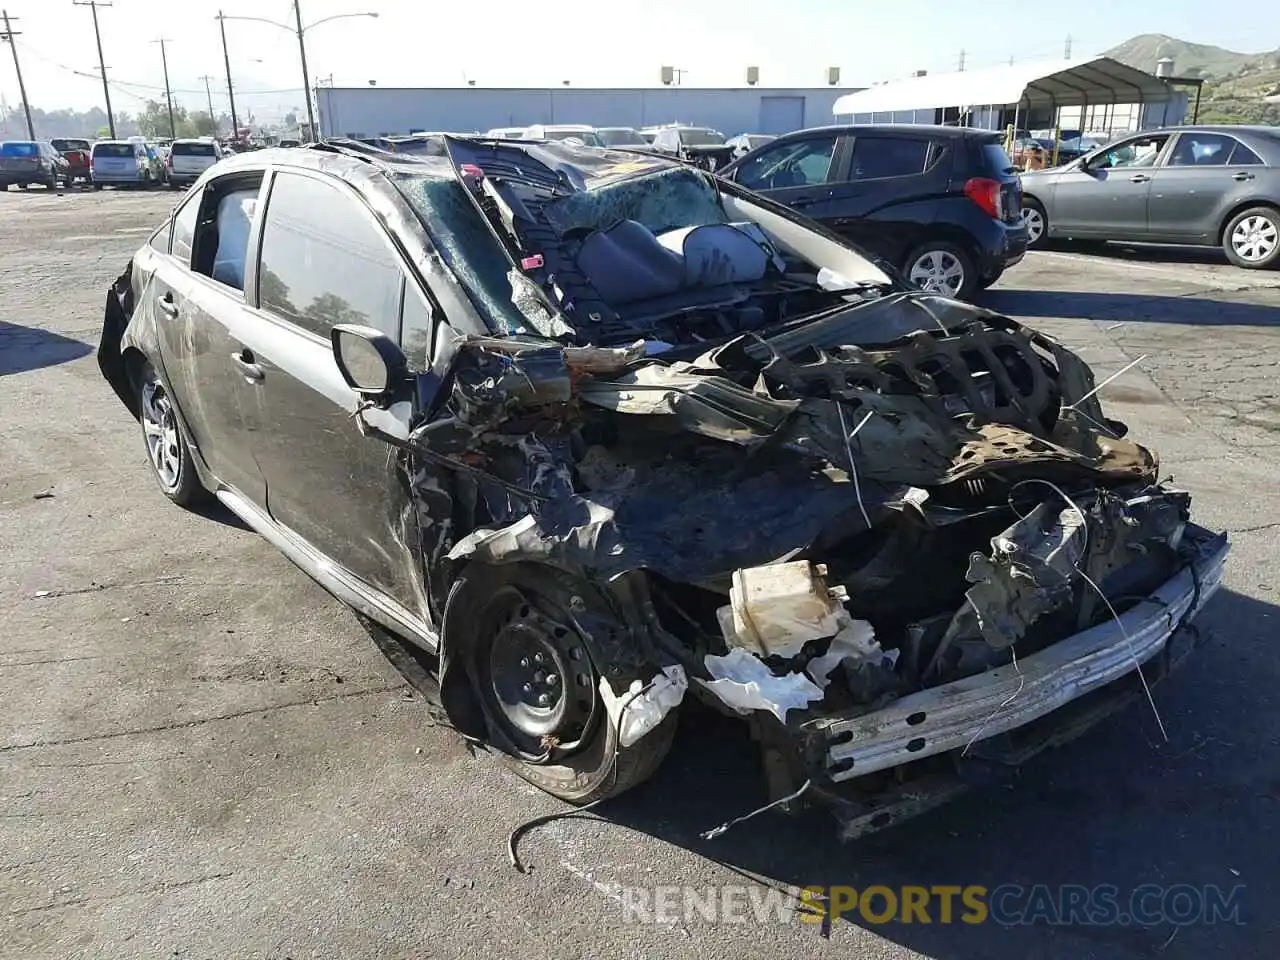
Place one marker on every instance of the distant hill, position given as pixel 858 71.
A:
pixel 1191 59
pixel 1236 84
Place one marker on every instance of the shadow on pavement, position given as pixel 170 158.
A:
pixel 1137 307
pixel 1118 806
pixel 216 511
pixel 30 348
pixel 1149 252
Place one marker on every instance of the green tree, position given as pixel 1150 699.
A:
pixel 153 121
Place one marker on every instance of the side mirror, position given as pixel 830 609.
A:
pixel 368 360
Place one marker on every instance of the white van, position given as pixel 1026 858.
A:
pixel 190 158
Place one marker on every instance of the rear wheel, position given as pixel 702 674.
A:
pixel 537 680
pixel 1252 238
pixel 1037 223
pixel 942 267
pixel 167 450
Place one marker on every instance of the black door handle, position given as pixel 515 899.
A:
pixel 245 363
pixel 1140 178
pixel 1242 176
pixel 168 305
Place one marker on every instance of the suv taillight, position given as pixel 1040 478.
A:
pixel 987 194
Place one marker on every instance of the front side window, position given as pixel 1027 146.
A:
pixel 806 163
pixel 1141 152
pixel 416 328
pixel 325 261
pixel 878 157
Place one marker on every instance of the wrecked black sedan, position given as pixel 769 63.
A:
pixel 595 432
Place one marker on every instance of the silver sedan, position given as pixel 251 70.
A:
pixel 1187 185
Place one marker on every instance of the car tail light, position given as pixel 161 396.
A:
pixel 986 193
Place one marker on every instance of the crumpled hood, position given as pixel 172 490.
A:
pixel 693 465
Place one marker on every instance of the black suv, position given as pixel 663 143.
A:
pixel 939 203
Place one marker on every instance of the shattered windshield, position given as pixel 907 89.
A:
pixel 621 137
pixel 586 137
pixel 672 197
pixel 467 246
pixel 701 137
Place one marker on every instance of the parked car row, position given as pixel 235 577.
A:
pixel 135 162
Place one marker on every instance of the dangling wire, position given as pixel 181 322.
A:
pixel 513 838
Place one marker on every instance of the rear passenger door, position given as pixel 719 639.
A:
pixel 326 259
pixel 889 192
pixel 1205 174
pixel 197 295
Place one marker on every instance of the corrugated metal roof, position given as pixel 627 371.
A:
pixel 1042 83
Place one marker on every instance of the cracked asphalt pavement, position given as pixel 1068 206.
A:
pixel 203 755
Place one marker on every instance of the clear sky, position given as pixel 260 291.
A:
pixel 526 43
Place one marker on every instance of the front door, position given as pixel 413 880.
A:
pixel 796 173
pixel 1108 198
pixel 325 260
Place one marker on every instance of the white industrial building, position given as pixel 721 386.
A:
pixel 1091 94
pixel 378 111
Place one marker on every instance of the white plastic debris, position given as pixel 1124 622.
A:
pixel 744 683
pixel 644 712
pixel 855 642
pixel 392 420
pixel 833 282
pixel 776 609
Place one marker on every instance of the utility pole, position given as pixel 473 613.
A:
pixel 168 94
pixel 102 64
pixel 231 96
pixel 206 78
pixel 8 36
pixel 962 60
pixel 1066 53
pixel 306 81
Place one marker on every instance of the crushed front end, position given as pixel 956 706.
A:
pixel 894 532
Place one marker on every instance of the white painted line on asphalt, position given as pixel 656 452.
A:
pixel 1162 269
pixel 134 229
pixel 1210 279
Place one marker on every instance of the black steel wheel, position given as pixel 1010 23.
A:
pixel 536 677
pixel 537 681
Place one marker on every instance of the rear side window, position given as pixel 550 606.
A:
pixel 193 150
pixel 184 229
pixel 125 150
pixel 325 261
pixel 876 157
pixel 1242 156
pixel 995 159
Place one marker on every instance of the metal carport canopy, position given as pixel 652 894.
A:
pixel 1045 83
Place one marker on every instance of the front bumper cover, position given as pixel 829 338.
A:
pixel 955 715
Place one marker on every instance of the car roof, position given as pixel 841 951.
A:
pixel 338 159
pixel 908 129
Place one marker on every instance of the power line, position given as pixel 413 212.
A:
pixel 102 64
pixel 8 36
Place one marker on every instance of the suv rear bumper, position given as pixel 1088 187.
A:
pixel 955 715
